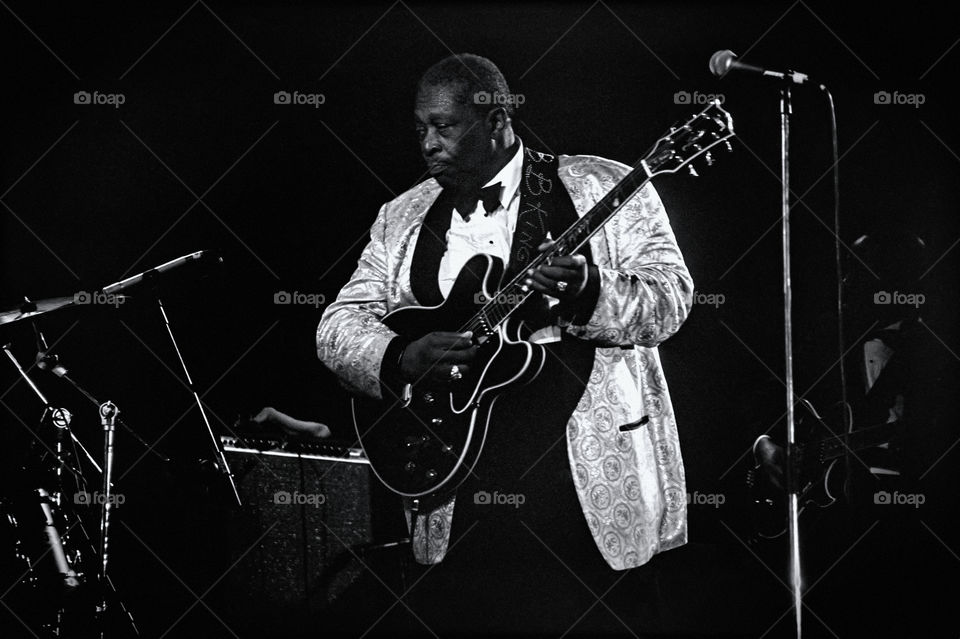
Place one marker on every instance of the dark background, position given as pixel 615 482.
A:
pixel 93 193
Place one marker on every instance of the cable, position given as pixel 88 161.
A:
pixel 841 339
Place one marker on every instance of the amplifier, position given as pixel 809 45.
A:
pixel 312 512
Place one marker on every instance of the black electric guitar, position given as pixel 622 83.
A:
pixel 426 442
pixel 819 468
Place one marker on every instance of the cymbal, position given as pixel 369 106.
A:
pixel 27 310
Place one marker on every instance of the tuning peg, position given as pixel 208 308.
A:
pixel 729 146
pixel 692 170
pixel 708 158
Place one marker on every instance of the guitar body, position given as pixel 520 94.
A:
pixel 426 444
pixel 819 467
pixel 769 504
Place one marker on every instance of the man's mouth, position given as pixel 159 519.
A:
pixel 438 168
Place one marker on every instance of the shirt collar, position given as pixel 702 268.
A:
pixel 509 177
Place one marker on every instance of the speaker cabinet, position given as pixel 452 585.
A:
pixel 307 527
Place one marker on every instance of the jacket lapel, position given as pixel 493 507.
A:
pixel 431 245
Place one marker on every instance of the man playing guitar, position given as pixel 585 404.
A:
pixel 581 473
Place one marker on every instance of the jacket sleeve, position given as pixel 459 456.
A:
pixel 351 339
pixel 646 291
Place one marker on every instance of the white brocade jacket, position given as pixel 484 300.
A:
pixel 630 484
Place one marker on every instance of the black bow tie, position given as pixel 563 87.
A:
pixel 489 195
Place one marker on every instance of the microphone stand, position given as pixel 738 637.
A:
pixel 108 419
pixel 150 449
pixel 108 416
pixel 61 419
pixel 793 524
pixel 46 361
pixel 218 449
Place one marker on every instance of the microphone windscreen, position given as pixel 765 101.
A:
pixel 720 62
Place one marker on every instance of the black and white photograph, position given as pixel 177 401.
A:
pixel 479 319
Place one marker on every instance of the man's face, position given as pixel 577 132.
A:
pixel 454 138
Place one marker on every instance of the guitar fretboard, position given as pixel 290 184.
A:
pixel 835 447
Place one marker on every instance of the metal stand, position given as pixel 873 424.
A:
pixel 48 408
pixel 792 483
pixel 217 447
pixel 60 417
pixel 108 416
pixel 46 361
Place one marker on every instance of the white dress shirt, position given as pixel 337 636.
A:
pixel 482 233
pixel 876 354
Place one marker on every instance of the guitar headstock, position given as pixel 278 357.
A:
pixel 696 137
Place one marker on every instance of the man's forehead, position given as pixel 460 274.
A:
pixel 440 98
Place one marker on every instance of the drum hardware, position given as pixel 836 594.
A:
pixel 47 361
pixel 31 309
pixel 67 557
pixel 70 577
pixel 152 276
pixel 56 533
pixel 108 417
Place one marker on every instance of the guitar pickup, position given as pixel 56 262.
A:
pixel 635 425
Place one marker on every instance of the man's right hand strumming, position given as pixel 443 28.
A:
pixel 434 356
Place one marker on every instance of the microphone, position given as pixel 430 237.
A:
pixel 722 62
pixel 133 280
pixel 68 575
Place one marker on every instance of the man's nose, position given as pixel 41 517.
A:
pixel 430 144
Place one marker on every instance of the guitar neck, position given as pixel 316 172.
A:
pixel 601 213
pixel 835 447
pixel 673 151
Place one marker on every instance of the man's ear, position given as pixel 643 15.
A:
pixel 497 120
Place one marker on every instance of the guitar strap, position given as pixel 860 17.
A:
pixel 545 206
